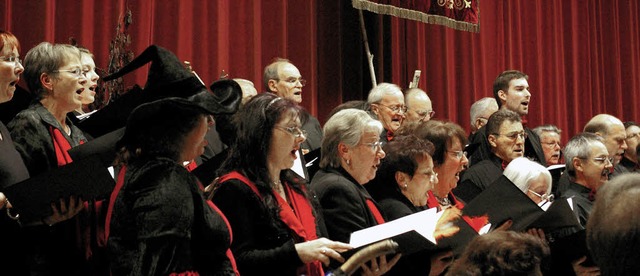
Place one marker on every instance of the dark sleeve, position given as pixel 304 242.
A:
pixel 257 245
pixel 468 187
pixel 314 134
pixel 32 141
pixel 160 205
pixel 342 208
pixel 394 209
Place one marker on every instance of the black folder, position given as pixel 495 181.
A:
pixel 104 147
pixel 87 178
pixel 502 201
pixel 558 216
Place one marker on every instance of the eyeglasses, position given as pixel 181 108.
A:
pixel 295 131
pixel 423 114
pixel 514 135
pixel 375 146
pixel 396 108
pixel 292 81
pixel 458 153
pixel 601 160
pixel 14 59
pixel 77 72
pixel 551 144
pixel 543 197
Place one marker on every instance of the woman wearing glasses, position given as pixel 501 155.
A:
pixel 531 178
pixel 401 186
pixel 449 158
pixel 351 154
pixel 276 228
pixel 42 134
pixel 12 169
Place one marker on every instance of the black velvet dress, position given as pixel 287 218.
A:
pixel 161 224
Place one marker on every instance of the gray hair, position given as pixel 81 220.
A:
pixel 546 128
pixel 522 170
pixel 579 146
pixel 45 58
pixel 481 105
pixel 346 126
pixel 376 93
pixel 412 93
pixel 271 71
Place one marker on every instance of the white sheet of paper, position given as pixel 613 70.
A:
pixel 297 165
pixel 423 222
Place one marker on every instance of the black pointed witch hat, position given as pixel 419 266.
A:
pixel 167 75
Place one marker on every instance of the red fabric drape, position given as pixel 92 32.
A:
pixel 581 56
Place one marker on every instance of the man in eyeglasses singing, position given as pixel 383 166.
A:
pixel 387 103
pixel 505 136
pixel 283 78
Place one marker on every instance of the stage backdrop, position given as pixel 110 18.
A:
pixel 582 57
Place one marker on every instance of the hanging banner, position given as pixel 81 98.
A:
pixel 457 14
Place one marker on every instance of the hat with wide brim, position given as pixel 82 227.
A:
pixel 158 117
pixel 225 97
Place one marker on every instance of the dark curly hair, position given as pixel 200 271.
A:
pixel 502 253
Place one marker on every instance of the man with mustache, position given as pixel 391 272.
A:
pixel 511 91
pixel 283 78
pixel 505 136
pixel 387 103
pixel 550 140
pixel 629 162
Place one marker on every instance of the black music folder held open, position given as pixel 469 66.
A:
pixel 502 201
pixel 86 178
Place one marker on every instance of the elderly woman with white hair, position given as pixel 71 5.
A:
pixel 531 178
pixel 351 154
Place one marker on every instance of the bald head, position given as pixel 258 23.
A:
pixel 418 104
pixel 283 78
pixel 248 89
pixel 612 131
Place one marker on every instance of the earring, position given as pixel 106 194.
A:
pixel 405 186
pixel 348 162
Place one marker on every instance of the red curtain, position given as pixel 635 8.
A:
pixel 582 57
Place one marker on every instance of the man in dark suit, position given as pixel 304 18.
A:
pixel 283 78
pixel 505 137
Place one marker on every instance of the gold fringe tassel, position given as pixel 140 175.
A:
pixel 417 15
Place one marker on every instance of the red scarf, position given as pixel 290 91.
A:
pixel 61 146
pixel 389 136
pixel 524 121
pixel 87 217
pixel 374 210
pixel 297 215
